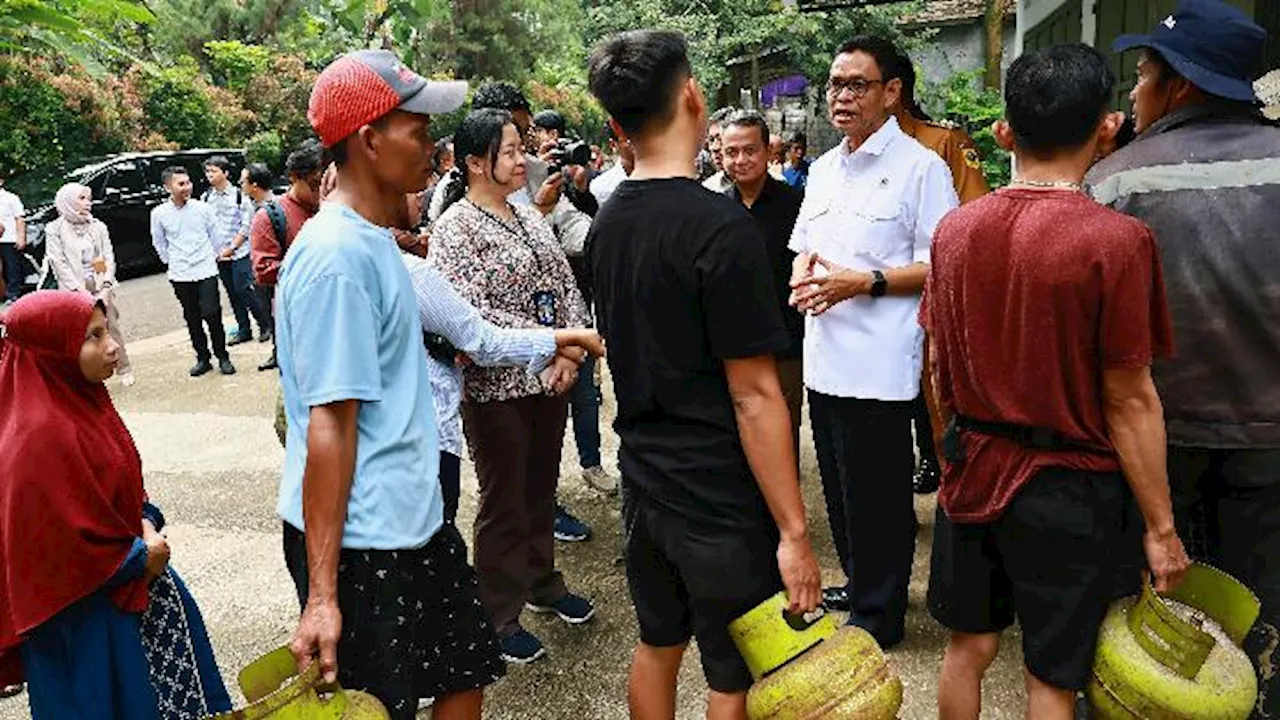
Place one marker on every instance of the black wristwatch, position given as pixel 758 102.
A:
pixel 879 284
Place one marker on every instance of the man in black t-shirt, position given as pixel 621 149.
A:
pixel 686 300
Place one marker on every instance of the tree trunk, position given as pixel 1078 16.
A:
pixel 996 10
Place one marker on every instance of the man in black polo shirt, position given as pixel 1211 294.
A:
pixel 744 144
pixel 686 299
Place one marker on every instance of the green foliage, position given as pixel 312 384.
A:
pixel 721 31
pixel 39 128
pixel 178 106
pixel 233 64
pixel 964 101
pixel 266 147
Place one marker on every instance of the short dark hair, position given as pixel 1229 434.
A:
pixel 906 70
pixel 499 96
pixel 168 173
pixel 883 51
pixel 749 119
pixel 1055 98
pixel 635 75
pixel 306 159
pixel 549 120
pixel 260 175
pixel 218 161
pixel 443 145
pixel 798 138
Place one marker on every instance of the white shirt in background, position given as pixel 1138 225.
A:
pixel 10 210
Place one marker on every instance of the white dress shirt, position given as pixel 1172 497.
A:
pixel 608 181
pixel 446 313
pixel 10 210
pixel 186 239
pixel 873 209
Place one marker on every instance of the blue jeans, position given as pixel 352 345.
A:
pixel 584 404
pixel 237 278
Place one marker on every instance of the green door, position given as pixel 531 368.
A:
pixel 1123 17
pixel 1060 28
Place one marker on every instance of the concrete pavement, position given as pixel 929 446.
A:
pixel 212 463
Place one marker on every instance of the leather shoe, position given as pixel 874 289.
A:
pixel 225 367
pixel 927 477
pixel 270 364
pixel 264 336
pixel 835 598
pixel 200 368
pixel 239 338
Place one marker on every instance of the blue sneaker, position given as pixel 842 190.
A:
pixel 570 528
pixel 571 608
pixel 522 648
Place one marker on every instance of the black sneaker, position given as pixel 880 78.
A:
pixel 225 367
pixel 927 478
pixel 522 648
pixel 264 336
pixel 239 338
pixel 571 608
pixel 836 598
pixel 270 364
pixel 200 368
pixel 569 528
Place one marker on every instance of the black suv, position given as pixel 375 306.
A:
pixel 125 189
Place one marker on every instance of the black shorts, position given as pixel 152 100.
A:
pixel 1062 551
pixel 689 578
pixel 412 623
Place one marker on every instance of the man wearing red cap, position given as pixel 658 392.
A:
pixel 390 604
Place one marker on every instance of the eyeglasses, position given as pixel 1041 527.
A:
pixel 859 87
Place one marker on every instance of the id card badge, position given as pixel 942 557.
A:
pixel 544 304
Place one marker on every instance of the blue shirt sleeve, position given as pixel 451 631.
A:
pixel 133 566
pixel 333 326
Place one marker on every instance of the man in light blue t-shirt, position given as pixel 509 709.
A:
pixel 389 603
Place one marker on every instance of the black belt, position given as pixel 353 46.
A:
pixel 1036 438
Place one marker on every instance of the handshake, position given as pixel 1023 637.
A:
pixel 573 346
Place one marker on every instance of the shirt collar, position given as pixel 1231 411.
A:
pixel 876 144
pixel 216 191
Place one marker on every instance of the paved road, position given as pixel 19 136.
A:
pixel 212 463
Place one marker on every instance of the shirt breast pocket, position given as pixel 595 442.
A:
pixel 876 229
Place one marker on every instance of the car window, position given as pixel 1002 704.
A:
pixel 128 178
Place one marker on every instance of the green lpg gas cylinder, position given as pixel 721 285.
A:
pixel 276 691
pixel 805 668
pixel 1177 655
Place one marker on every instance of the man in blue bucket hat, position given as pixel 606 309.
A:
pixel 1204 174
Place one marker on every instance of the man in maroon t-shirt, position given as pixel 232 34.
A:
pixel 305 167
pixel 1045 311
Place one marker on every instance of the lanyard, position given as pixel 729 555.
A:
pixel 522 234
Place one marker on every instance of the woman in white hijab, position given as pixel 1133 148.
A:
pixel 81 258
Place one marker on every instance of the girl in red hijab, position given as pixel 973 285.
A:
pixel 87 599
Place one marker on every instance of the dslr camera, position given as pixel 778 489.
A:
pixel 569 152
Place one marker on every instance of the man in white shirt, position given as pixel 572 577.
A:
pixel 13 241
pixel 863 242
pixel 185 235
pixel 608 181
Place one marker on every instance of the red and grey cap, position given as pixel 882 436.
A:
pixel 361 87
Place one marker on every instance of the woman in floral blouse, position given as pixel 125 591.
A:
pixel 505 261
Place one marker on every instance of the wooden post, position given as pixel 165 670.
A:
pixel 996 10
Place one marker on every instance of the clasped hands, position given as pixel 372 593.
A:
pixel 817 284
pixel 573 346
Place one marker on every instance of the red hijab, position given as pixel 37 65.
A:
pixel 70 477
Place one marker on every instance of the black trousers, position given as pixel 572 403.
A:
pixel 866 458
pixel 924 428
pixel 1226 504
pixel 266 303
pixel 14 270
pixel 201 306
